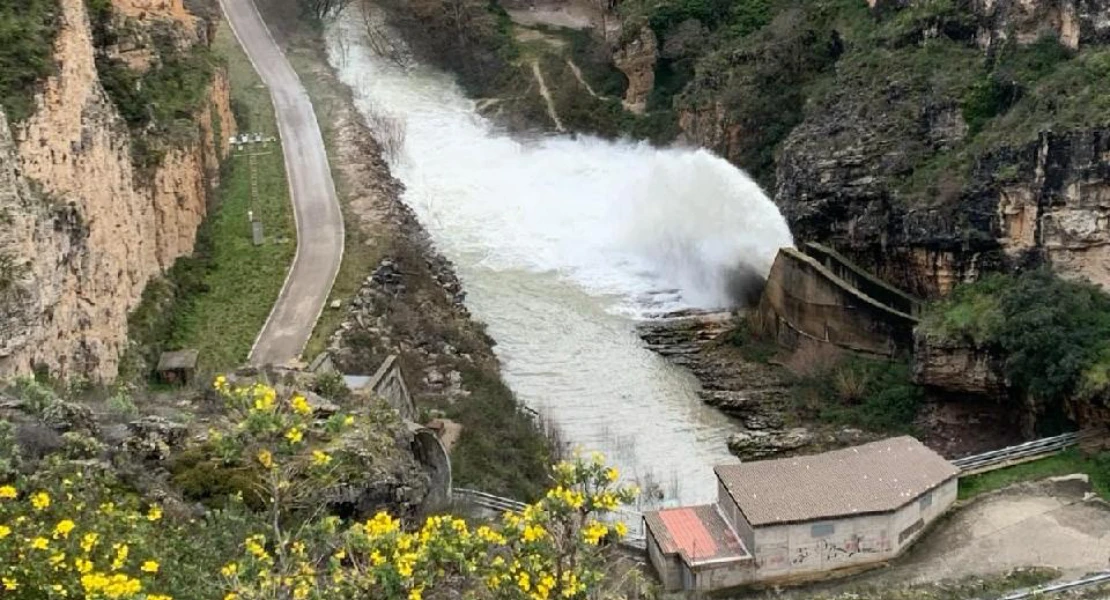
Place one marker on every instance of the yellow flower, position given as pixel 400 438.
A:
pixel 266 459
pixel 348 420
pixel 121 556
pixel 89 541
pixel 416 593
pixel 40 543
pixel 594 532
pixel 7 492
pixel 10 584
pixel 231 596
pixel 159 597
pixel 621 528
pixel 229 570
pixel 83 566
pixel 300 405
pixel 63 528
pixel 5 531
pixel 149 566
pixel 320 459
pixel 154 513
pixel 294 435
pixel 533 533
pixel 40 501
pixel 612 474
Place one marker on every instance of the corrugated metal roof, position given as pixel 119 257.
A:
pixel 876 477
pixel 698 533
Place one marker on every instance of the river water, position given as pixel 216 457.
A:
pixel 562 245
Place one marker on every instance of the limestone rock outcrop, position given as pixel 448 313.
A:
pixel 957 366
pixel 84 230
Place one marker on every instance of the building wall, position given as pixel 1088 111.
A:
pixel 669 568
pixel 798 548
pixel 722 576
pixel 734 517
pixel 908 521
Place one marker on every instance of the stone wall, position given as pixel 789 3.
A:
pixel 93 231
pixel 804 299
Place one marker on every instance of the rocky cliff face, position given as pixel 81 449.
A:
pixel 957 366
pixel 967 157
pixel 90 229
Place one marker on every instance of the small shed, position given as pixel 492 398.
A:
pixel 177 366
pixel 799 518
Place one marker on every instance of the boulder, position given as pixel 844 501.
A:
pixel 754 445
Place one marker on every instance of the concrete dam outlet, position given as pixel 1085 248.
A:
pixel 564 244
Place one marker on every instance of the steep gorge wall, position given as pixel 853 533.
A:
pixel 89 230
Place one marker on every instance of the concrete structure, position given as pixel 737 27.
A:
pixel 795 519
pixel 822 296
pixel 177 366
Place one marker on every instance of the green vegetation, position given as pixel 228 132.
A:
pixel 217 300
pixel 753 346
pixel 160 103
pixel 27 31
pixel 1052 333
pixel 1064 463
pixel 499 450
pixel 119 529
pixel 872 394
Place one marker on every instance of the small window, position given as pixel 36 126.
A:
pixel 926 501
pixel 822 530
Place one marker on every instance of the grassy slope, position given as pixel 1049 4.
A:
pixel 243 281
pixel 1064 463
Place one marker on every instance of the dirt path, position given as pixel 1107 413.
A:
pixel 546 96
pixel 1046 524
pixel 315 205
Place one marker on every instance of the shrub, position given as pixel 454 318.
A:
pixel 27 31
pixel 1052 332
pixel 873 394
pixel 331 385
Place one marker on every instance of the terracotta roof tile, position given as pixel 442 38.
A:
pixel 698 533
pixel 876 477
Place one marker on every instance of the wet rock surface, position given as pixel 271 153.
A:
pixel 756 394
pixel 759 395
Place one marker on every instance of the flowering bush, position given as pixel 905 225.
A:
pixel 69 531
pixel 59 542
pixel 550 550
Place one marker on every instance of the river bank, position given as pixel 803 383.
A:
pixel 396 295
pixel 770 391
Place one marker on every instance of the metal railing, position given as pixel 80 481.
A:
pixel 1044 590
pixel 997 459
pixel 632 519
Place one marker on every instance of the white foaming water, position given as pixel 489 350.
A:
pixel 560 243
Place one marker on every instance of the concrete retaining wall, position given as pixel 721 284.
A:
pixel 862 280
pixel 805 299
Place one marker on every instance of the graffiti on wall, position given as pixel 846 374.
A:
pixel 821 553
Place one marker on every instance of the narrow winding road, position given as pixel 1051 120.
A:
pixel 315 205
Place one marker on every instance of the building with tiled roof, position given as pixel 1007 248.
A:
pixel 794 518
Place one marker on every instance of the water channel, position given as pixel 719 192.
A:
pixel 562 245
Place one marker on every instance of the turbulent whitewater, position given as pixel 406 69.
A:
pixel 562 244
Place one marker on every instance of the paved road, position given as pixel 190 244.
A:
pixel 319 221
